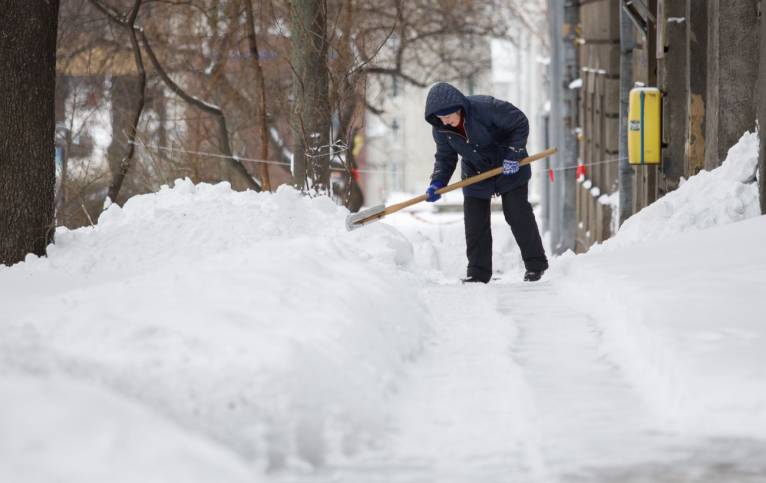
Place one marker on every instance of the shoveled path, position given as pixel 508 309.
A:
pixel 514 387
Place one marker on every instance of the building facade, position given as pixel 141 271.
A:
pixel 703 56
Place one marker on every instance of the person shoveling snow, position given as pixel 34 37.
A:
pixel 487 133
pixel 496 164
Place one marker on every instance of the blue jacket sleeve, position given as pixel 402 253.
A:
pixel 446 159
pixel 512 128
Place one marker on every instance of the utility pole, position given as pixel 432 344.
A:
pixel 555 16
pixel 650 173
pixel 569 36
pixel 626 173
pixel 564 20
pixel 546 189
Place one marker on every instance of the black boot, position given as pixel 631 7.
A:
pixel 473 279
pixel 533 275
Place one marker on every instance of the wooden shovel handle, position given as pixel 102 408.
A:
pixel 465 182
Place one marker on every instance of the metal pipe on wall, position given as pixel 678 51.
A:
pixel 626 173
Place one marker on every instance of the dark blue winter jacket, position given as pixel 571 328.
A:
pixel 493 128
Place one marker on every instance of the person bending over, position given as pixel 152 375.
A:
pixel 486 133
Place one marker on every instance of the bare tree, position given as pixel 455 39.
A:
pixel 130 25
pixel 415 41
pixel 27 124
pixel 243 58
pixel 260 88
pixel 223 133
pixel 310 114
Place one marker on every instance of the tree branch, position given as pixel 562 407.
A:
pixel 394 72
pixel 127 160
pixel 129 24
pixel 223 134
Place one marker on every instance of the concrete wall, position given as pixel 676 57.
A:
pixel 673 82
pixel 599 118
pixel 704 55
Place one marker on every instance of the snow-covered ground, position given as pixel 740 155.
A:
pixel 254 321
pixel 684 302
pixel 711 198
pixel 199 334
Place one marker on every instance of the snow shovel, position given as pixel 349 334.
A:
pixel 361 218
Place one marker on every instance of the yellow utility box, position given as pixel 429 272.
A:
pixel 644 126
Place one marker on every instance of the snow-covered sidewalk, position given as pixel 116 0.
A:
pixel 516 387
pixel 249 324
pixel 198 331
pixel 594 423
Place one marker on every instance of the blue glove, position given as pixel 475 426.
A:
pixel 431 194
pixel 510 166
pixel 512 158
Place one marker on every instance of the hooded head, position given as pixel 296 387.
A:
pixel 444 99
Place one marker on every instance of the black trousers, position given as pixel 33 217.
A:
pixel 478 233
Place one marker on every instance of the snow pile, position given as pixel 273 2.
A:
pixel 710 198
pixel 678 295
pixel 58 429
pixel 684 318
pixel 437 234
pixel 438 241
pixel 255 320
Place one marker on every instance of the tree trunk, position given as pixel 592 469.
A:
pixel 260 87
pixel 223 133
pixel 118 175
pixel 310 115
pixel 762 111
pixel 27 126
pixel 127 91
